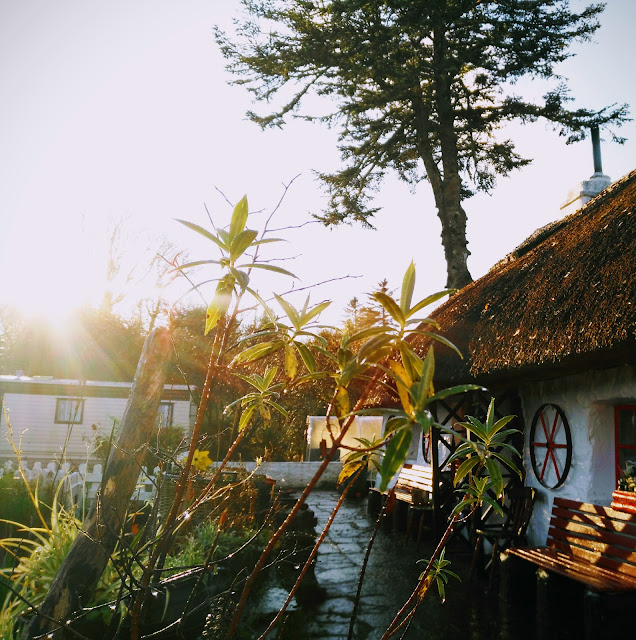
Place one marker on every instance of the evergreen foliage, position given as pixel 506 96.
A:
pixel 420 87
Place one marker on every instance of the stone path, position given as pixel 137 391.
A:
pixel 391 576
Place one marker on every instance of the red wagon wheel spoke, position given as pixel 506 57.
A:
pixel 551 453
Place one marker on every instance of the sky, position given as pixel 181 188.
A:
pixel 120 113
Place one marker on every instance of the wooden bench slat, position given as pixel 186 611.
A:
pixel 607 547
pixel 597 509
pixel 563 564
pixel 607 524
pixel 589 543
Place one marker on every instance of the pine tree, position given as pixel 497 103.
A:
pixel 421 88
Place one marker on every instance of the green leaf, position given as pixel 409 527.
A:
pixel 241 278
pixel 391 307
pixel 268 241
pixel 444 341
pixel 368 333
pixel 220 303
pixel 495 475
pixel 292 314
pixel 372 349
pixel 464 468
pixel 306 355
pixel 257 351
pixel 308 316
pixel 205 233
pixel 291 362
pixel 246 417
pixel 500 424
pixel 239 218
pixel 196 263
pixel 268 310
pixel 408 285
pixel 452 391
pixel 241 243
pixel 394 456
pixel 269 267
pixel 429 300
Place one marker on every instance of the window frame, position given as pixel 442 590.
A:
pixel 76 414
pixel 170 420
pixel 622 447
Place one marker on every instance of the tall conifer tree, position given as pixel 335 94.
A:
pixel 421 87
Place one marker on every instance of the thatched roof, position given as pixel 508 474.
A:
pixel 563 301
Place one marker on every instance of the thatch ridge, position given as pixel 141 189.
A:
pixel 564 300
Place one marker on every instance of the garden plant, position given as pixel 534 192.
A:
pixel 272 363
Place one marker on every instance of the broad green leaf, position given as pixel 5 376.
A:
pixel 220 303
pixel 239 217
pixel 368 333
pixel 289 310
pixel 241 243
pixel 264 412
pixel 373 348
pixel 394 456
pixel 291 362
pixel 348 469
pixel 500 424
pixel 464 468
pixel 444 341
pixel 308 316
pixel 306 355
pixel 241 278
pixel 270 267
pixel 283 412
pixel 403 381
pixel 490 417
pixel 452 391
pixel 429 300
pixel 412 362
pixel 391 307
pixel 196 263
pixel 408 285
pixel 225 237
pixel 423 388
pixel 246 417
pixel 257 351
pixel 494 504
pixel 495 475
pixel 268 310
pixel 205 233
pixel 268 241
pixel 270 373
pixel 396 422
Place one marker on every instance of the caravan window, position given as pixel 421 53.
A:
pixel 164 414
pixel 69 411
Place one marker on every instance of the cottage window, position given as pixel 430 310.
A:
pixel 625 426
pixel 69 411
pixel 164 414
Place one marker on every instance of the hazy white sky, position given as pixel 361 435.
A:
pixel 121 110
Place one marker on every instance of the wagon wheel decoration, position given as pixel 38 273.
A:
pixel 550 446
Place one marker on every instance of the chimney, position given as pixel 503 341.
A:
pixel 588 189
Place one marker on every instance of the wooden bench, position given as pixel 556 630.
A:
pixel 593 546
pixel 590 544
pixel 414 485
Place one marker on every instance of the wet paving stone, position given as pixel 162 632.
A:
pixel 469 611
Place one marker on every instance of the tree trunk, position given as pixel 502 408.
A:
pixel 79 574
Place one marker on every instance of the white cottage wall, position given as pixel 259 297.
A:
pixel 587 400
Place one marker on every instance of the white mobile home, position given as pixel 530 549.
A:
pixel 50 419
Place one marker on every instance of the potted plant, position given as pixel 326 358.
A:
pixel 624 498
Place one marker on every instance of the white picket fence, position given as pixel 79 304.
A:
pixel 82 482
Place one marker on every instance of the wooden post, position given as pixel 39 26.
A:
pixel 79 574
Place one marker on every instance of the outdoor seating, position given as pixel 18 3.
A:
pixel 510 532
pixel 593 546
